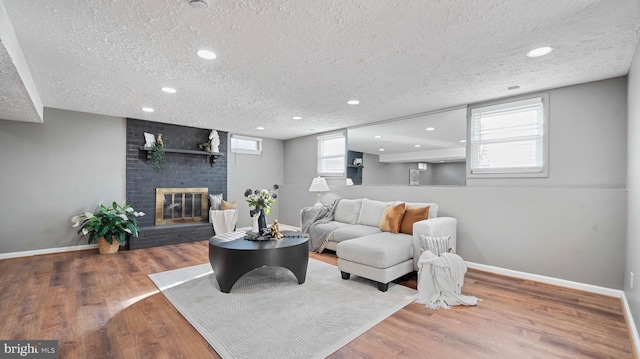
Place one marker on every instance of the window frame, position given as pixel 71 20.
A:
pixel 319 157
pixel 245 151
pixel 520 172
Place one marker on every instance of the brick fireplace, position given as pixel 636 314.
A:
pixel 182 172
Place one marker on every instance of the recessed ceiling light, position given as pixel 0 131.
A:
pixel 206 54
pixel 416 146
pixel 441 161
pixel 463 141
pixel 147 109
pixel 169 89
pixel 431 128
pixel 515 87
pixel 296 118
pixel 540 51
pixel 353 102
pixel 377 136
pixel 198 4
pixel 381 150
pixel 259 128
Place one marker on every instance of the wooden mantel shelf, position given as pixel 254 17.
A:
pixel 213 155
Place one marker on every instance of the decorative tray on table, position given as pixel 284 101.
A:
pixel 266 235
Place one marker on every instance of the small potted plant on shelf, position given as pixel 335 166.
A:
pixel 109 225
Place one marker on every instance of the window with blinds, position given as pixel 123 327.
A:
pixel 331 154
pixel 509 138
pixel 244 144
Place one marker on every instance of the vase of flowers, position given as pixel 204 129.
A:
pixel 108 224
pixel 261 201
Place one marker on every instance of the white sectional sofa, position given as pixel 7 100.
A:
pixel 365 250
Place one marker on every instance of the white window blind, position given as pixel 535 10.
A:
pixel 508 138
pixel 243 144
pixel 331 154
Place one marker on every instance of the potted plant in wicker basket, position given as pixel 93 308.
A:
pixel 109 225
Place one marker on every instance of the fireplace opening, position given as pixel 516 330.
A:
pixel 181 205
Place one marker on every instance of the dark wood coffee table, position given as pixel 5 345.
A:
pixel 232 256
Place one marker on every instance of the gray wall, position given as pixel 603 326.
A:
pixel 571 225
pixel 54 170
pixel 632 263
pixel 255 172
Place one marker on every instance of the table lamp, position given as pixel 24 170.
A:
pixel 318 185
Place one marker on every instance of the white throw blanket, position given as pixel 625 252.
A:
pixel 223 220
pixel 440 281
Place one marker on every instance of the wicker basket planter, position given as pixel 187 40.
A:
pixel 106 248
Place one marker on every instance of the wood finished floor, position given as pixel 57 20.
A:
pixel 105 306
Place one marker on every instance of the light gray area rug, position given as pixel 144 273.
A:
pixel 269 315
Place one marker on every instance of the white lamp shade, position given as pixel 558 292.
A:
pixel 319 184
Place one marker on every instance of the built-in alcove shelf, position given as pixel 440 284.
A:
pixel 212 155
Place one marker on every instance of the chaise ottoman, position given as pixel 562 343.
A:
pixel 381 257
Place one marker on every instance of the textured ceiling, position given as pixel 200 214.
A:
pixel 279 59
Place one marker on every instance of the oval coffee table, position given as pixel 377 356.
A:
pixel 232 256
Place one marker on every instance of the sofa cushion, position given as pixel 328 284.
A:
pixel 433 208
pixel 411 216
pixel 353 231
pixel 347 210
pixel 380 250
pixel 371 212
pixel 392 218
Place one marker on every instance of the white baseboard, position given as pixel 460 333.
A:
pixel 38 252
pixel 633 331
pixel 617 293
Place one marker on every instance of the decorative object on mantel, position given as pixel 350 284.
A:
pixel 261 200
pixel 211 146
pixel 110 226
pixel 157 151
pixel 319 184
pixel 214 140
pixel 149 139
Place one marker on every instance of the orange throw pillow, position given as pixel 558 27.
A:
pixel 411 216
pixel 391 218
pixel 228 205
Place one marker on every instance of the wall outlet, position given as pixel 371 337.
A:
pixel 631 280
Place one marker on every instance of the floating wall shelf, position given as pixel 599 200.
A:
pixel 213 155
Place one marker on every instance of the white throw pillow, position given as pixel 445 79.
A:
pixel 215 200
pixel 347 210
pixel 436 244
pixel 371 212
